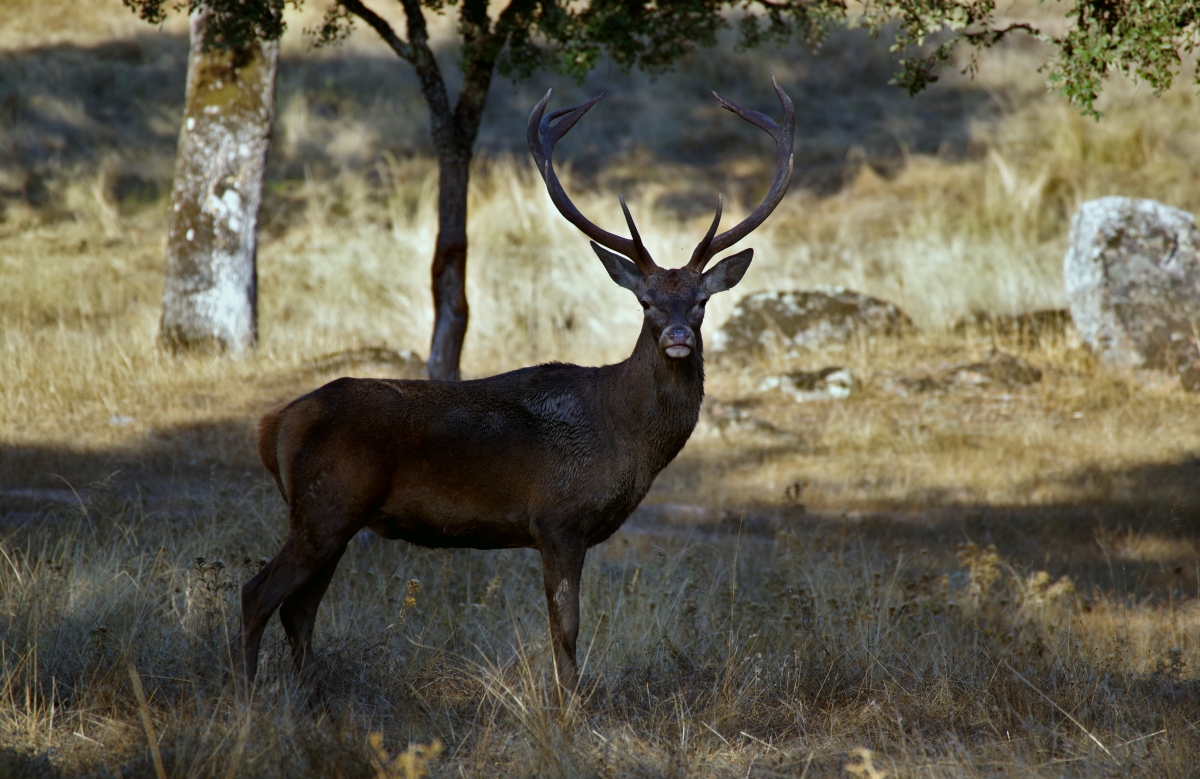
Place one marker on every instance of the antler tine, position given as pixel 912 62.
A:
pixel 784 136
pixel 638 246
pixel 542 136
pixel 701 255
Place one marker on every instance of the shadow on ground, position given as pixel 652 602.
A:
pixel 1138 547
pixel 1142 546
pixel 111 113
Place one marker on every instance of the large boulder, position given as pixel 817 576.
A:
pixel 791 323
pixel 1133 282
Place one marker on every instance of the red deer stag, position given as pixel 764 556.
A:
pixel 552 457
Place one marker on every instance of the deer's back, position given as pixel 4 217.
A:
pixel 460 463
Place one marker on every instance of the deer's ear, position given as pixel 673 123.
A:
pixel 620 269
pixel 728 272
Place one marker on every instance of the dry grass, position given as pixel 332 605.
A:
pixel 716 655
pixel 805 582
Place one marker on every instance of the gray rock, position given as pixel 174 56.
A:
pixel 723 419
pixel 831 383
pixel 995 371
pixel 795 322
pixel 1133 282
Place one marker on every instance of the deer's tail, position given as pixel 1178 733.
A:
pixel 268 438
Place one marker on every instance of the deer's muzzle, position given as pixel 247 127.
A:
pixel 677 342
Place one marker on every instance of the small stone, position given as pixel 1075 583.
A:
pixel 998 368
pixel 914 385
pixel 832 383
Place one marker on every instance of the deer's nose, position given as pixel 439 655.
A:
pixel 677 341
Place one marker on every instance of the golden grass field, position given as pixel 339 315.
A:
pixel 979 581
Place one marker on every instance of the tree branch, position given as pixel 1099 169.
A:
pixel 416 51
pixel 792 5
pixel 509 18
pixel 418 33
pixel 377 23
pixel 990 36
pixel 483 43
pixel 442 126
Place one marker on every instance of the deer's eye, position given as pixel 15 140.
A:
pixel 645 305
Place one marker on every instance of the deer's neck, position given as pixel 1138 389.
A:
pixel 661 397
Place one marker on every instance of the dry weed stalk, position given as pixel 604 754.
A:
pixel 412 763
pixel 865 767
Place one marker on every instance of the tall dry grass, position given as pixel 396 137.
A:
pixel 718 655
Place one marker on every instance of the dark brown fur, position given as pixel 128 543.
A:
pixel 268 432
pixel 553 457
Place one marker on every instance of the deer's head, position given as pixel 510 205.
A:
pixel 673 299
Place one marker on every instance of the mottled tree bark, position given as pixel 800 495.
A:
pixel 210 294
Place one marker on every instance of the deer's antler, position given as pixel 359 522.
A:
pixel 784 136
pixel 542 137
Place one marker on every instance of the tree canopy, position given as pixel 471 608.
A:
pixel 1147 40
pixel 569 37
pixel 232 23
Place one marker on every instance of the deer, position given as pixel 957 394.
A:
pixel 553 457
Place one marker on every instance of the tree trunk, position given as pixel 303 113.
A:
pixel 210 297
pixel 450 267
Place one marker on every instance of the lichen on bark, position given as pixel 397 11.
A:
pixel 210 293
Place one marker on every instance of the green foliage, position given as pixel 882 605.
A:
pixel 651 36
pixel 232 23
pixel 953 22
pixel 570 37
pixel 1144 39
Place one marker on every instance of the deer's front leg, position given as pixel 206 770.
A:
pixel 562 565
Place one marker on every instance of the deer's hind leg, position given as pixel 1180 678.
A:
pixel 299 612
pixel 296 564
pixel 296 580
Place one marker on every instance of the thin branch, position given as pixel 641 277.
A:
pixel 485 41
pixel 380 25
pixel 415 50
pixel 790 6
pixel 507 20
pixel 989 37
